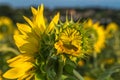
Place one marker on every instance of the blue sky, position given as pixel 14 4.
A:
pixel 63 3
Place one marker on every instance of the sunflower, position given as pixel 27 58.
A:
pixel 29 44
pixel 98 35
pixel 6 27
pixel 69 40
pixel 111 29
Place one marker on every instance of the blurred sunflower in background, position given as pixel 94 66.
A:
pixel 98 35
pixel 111 29
pixel 6 27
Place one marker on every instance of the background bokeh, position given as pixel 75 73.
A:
pixel 103 10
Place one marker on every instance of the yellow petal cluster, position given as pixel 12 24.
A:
pixel 21 66
pixel 69 42
pixel 28 42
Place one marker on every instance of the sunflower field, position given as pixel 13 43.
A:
pixel 34 46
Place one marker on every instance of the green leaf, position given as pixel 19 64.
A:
pixel 78 76
pixel 69 66
pixel 64 77
pixel 107 73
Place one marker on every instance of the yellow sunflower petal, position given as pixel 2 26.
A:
pixel 19 61
pixel 26 44
pixel 29 77
pixel 28 48
pixel 14 59
pixel 13 73
pixel 53 22
pixel 39 19
pixel 31 47
pixel 23 77
pixel 19 40
pixel 34 11
pixel 18 71
pixel 90 22
pixel 96 25
pixel 28 20
pixel 24 29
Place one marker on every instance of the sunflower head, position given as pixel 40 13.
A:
pixel 97 35
pixel 111 29
pixel 71 40
pixel 6 27
pixel 35 42
pixel 68 39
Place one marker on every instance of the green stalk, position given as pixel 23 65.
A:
pixel 95 59
pixel 5 48
pixel 60 70
pixel 77 75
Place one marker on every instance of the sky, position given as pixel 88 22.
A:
pixel 115 4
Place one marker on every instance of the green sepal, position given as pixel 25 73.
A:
pixel 106 75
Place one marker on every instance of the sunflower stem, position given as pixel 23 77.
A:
pixel 77 75
pixel 95 59
pixel 60 69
